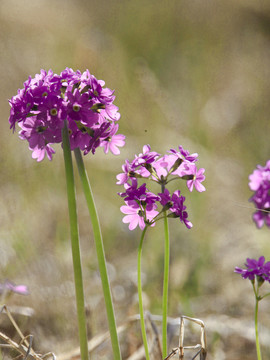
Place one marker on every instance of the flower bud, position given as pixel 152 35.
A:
pixel 167 206
pixel 148 167
pixel 85 89
pixel 260 280
pixel 98 106
pixel 132 174
pixel 75 86
pixel 34 108
pixel 172 215
pixel 176 165
pixel 187 177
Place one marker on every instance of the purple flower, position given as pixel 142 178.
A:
pixel 165 198
pixel 136 215
pixel 175 204
pixel 255 268
pixel 97 135
pixel 46 100
pixel 49 108
pixel 39 137
pixel 96 89
pixel 259 182
pixel 184 154
pixel 147 157
pixel 260 218
pixel 79 108
pixel 21 106
pixel 132 191
pixel 140 194
pixel 179 208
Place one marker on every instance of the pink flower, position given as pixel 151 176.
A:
pixel 135 215
pixel 197 176
pixel 113 141
pixel 9 286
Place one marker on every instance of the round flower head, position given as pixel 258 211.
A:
pixel 48 99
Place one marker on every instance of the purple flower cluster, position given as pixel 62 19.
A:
pixel 141 205
pixel 48 99
pixel 259 182
pixel 254 268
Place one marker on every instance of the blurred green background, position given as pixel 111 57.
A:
pixel 187 72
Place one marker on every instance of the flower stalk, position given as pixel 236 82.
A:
pixel 100 253
pixel 77 110
pixel 257 299
pixel 75 246
pixel 144 208
pixel 139 269
pixel 165 286
pixel 259 357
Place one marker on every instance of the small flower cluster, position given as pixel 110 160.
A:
pixel 141 204
pixel 47 100
pixel 259 182
pixel 260 269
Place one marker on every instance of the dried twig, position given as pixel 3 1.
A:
pixel 180 349
pixel 24 347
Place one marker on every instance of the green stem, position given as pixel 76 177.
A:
pixel 75 246
pixel 165 286
pixel 257 299
pixel 100 254
pixel 264 296
pixel 259 357
pixel 140 296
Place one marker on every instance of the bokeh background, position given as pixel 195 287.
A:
pixel 194 73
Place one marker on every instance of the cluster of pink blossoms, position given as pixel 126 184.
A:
pixel 259 182
pixel 141 205
pixel 47 100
